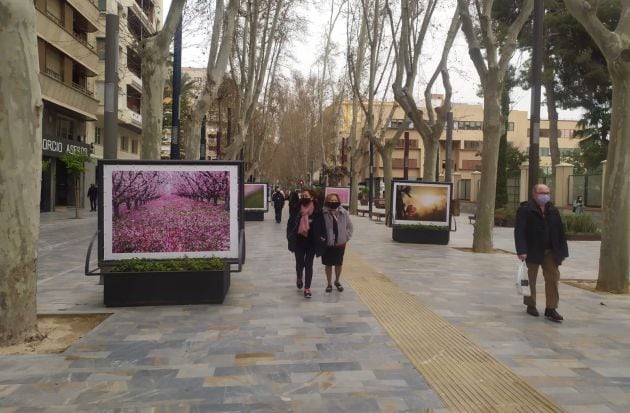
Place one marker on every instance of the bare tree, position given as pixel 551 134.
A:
pixel 20 171
pixel 379 75
pixel 408 55
pixel 614 259
pixel 498 43
pixel 154 52
pixel 261 34
pixel 220 49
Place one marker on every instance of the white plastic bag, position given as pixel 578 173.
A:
pixel 522 280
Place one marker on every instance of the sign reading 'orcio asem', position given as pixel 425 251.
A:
pixel 58 147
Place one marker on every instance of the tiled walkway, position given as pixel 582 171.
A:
pixel 267 349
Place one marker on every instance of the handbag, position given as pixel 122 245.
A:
pixel 522 280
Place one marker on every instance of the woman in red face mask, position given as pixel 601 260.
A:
pixel 306 234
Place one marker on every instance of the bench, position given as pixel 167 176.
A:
pixel 376 214
pixel 472 218
pixel 362 211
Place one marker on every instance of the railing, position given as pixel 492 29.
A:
pixel 82 89
pixel 52 74
pixel 82 40
pixel 59 23
pixel 136 117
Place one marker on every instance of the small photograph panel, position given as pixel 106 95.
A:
pixel 255 197
pixel 342 191
pixel 421 203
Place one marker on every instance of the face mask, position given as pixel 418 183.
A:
pixel 542 199
pixel 333 205
pixel 305 201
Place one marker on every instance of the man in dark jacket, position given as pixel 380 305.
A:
pixel 540 241
pixel 92 194
pixel 278 203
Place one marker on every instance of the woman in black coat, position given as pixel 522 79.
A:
pixel 306 233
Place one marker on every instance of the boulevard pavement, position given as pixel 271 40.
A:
pixel 267 349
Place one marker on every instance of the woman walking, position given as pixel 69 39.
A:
pixel 338 233
pixel 306 234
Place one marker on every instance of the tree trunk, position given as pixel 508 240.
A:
pixel 614 264
pixel 77 196
pixel 482 238
pixel 430 160
pixel 154 52
pixel 20 170
pixel 153 77
pixel 387 176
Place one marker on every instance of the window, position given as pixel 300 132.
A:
pixel 54 63
pixel 102 5
pixel 472 145
pixel 510 126
pixel 395 123
pixel 134 146
pixel 124 143
pixel 100 48
pixel 545 152
pixel 569 151
pixel 467 125
pixel 97 136
pixel 65 128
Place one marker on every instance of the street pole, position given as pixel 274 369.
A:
pixel 110 149
pixel 534 125
pixel 448 175
pixel 177 84
pixel 406 157
pixel 371 184
pixel 202 142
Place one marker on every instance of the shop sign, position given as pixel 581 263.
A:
pixel 57 147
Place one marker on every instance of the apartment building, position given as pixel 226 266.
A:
pixel 137 19
pixel 68 66
pixel 467 141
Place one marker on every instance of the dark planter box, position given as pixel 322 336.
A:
pixel 420 236
pixel 254 216
pixel 165 288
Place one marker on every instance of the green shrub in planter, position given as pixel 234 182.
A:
pixel 424 227
pixel 505 216
pixel 180 264
pixel 579 223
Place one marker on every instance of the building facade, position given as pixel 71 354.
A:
pixel 137 19
pixel 467 142
pixel 68 66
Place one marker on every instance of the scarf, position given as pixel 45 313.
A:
pixel 306 212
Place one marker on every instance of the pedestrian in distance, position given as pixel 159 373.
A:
pixel 541 242
pixel 93 195
pixel 578 205
pixel 338 233
pixel 306 234
pixel 278 203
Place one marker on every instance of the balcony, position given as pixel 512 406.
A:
pixel 76 98
pixel 79 49
pixel 146 22
pixel 131 119
pixel 87 9
pixel 136 118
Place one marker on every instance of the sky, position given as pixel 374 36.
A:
pixel 464 78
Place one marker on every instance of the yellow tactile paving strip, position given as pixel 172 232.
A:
pixel 466 377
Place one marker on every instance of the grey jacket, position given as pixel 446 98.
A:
pixel 344 226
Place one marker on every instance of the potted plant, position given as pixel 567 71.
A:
pixel 421 234
pixel 505 217
pixel 581 227
pixel 158 282
pixel 75 164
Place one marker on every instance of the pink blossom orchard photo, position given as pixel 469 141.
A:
pixel 174 211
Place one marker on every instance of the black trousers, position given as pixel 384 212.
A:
pixel 92 204
pixel 304 256
pixel 278 214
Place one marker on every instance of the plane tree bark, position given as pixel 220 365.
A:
pixel 220 49
pixel 614 259
pixel 490 47
pixel 154 54
pixel 20 171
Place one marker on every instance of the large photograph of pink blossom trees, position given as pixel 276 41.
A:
pixel 170 213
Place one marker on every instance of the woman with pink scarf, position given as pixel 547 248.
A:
pixel 306 233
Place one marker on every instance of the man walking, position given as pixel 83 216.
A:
pixel 92 194
pixel 541 242
pixel 278 203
